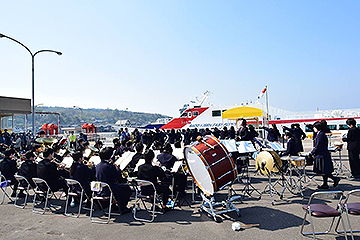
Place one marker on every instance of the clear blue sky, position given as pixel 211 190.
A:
pixel 154 56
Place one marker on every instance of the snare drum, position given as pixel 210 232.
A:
pixel 210 165
pixel 297 161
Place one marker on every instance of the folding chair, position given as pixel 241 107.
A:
pixel 71 183
pixel 47 193
pixel 322 210
pixel 352 208
pixel 24 185
pixel 3 186
pixel 96 188
pixel 139 197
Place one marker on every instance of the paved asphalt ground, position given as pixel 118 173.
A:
pixel 281 221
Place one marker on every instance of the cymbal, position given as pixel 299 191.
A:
pixel 267 162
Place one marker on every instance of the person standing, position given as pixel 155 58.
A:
pixel 72 139
pixel 353 147
pixel 243 131
pixel 298 134
pixel 323 164
pixel 273 133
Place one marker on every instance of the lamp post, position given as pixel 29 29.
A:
pixel 32 75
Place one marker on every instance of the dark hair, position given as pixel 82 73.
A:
pixel 139 147
pixel 77 156
pixel 243 122
pixel 319 126
pixel 41 132
pixel 351 121
pixel 149 155
pixel 29 154
pixel 168 148
pixel 56 148
pixel 47 152
pixel 274 126
pixel 8 152
pixel 86 143
pixel 106 153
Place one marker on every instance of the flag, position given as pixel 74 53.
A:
pixel 262 92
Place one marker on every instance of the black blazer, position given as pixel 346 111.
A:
pixel 47 170
pixel 8 168
pixel 108 173
pixel 28 169
pixel 353 139
pixel 291 148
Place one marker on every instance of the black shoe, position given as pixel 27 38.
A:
pixel 87 205
pixel 336 182
pixel 166 209
pixel 126 210
pixel 323 187
pixel 115 208
pixel 21 195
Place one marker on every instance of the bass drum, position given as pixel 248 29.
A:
pixel 210 165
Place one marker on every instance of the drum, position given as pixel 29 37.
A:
pixel 268 161
pixel 297 161
pixel 338 145
pixel 210 165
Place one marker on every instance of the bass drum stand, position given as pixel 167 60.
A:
pixel 209 205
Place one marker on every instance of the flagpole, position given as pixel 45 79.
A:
pixel 267 104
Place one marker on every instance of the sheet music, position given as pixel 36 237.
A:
pixel 95 159
pixel 125 159
pixel 67 161
pixel 140 162
pixel 178 153
pixel 276 146
pixel 230 145
pixel 245 147
pixel 176 167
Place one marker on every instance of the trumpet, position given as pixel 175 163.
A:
pixel 87 163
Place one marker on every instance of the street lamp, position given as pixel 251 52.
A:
pixel 32 75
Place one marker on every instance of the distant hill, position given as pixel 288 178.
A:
pixel 76 116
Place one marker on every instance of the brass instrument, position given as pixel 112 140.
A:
pixel 87 163
pixel 46 142
pixel 60 166
pixel 67 152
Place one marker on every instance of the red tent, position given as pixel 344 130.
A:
pixel 89 128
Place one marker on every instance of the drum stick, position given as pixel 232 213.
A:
pixel 210 146
pixel 250 225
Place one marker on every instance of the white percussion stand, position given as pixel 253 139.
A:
pixel 209 205
pixel 340 168
pixel 291 183
pixel 272 190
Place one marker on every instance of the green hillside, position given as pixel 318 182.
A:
pixel 76 116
